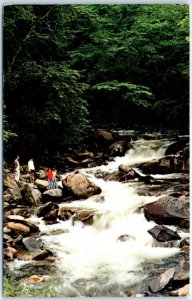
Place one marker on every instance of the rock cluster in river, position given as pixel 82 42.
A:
pixel 22 239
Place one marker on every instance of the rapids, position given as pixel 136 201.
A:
pixel 92 260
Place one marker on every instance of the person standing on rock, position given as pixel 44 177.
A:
pixel 50 179
pixel 31 169
pixel 54 179
pixel 17 168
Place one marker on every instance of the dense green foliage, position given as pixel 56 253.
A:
pixel 67 67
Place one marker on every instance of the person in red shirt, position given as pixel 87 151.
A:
pixel 50 179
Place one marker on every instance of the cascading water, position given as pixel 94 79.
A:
pixel 93 260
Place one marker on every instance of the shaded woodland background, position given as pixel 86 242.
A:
pixel 70 68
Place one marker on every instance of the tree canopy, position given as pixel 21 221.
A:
pixel 68 67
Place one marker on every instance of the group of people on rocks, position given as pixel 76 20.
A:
pixel 51 173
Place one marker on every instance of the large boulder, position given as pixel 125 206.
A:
pixel 79 186
pixel 177 146
pixel 169 210
pixel 165 165
pixel 103 138
pixel 30 195
pixel 48 211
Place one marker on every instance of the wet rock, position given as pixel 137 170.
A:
pixel 32 244
pixel 65 213
pixel 41 255
pixel 23 211
pixel 124 168
pixel 181 276
pixel 177 146
pixel 8 256
pixel 57 232
pixel 87 162
pixel 71 162
pixel 184 265
pixel 12 195
pixel 168 210
pixel 131 174
pixel 103 138
pixel 5 204
pixel 7 239
pixel 49 211
pixel 12 220
pixel 185 242
pixel 185 249
pixel 118 176
pixel 22 255
pixel 41 174
pixel 183 291
pixel 10 182
pixel 167 244
pixel 85 155
pixel 80 186
pixel 165 165
pixel 163 234
pixel 43 184
pixel 160 282
pixel 85 217
pixel 36 279
pixel 52 195
pixel 119 148
pixel 91 165
pixel 30 195
pixel 18 227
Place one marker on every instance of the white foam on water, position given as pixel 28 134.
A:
pixel 97 252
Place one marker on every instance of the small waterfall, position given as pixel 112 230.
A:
pixel 141 151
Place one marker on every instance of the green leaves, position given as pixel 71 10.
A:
pixel 67 64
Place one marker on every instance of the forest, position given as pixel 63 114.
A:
pixel 70 68
pixel 98 96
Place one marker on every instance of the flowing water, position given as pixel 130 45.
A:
pixel 92 260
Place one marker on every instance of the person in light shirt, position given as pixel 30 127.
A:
pixel 17 168
pixel 31 169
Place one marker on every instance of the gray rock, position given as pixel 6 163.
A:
pixel 161 281
pixel 32 244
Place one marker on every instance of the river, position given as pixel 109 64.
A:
pixel 92 259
